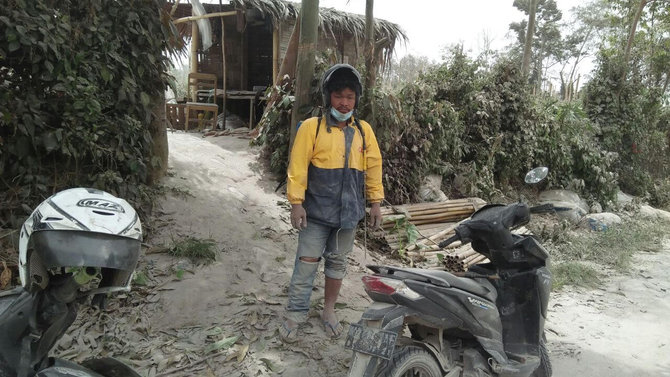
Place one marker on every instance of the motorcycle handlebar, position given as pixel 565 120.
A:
pixel 448 241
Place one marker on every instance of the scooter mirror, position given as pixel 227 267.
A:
pixel 536 175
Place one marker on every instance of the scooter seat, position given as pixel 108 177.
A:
pixel 480 287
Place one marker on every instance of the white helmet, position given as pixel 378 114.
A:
pixel 81 227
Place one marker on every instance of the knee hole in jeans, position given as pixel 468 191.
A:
pixel 310 259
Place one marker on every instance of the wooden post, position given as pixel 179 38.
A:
pixel 194 67
pixel 309 26
pixel 275 51
pixel 244 59
pixel 223 56
pixel 194 47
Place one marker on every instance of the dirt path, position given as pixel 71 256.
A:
pixel 618 331
pixel 244 292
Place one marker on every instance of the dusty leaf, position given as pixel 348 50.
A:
pixel 222 344
pixel 214 331
pixel 5 276
pixel 260 346
pixel 269 364
pixel 242 353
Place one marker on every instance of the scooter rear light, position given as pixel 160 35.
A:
pixel 377 285
pixel 388 287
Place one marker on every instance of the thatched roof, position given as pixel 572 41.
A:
pixel 332 22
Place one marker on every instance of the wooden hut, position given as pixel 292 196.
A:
pixel 256 35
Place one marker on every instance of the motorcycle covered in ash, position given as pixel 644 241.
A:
pixel 488 321
pixel 78 243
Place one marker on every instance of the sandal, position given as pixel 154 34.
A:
pixel 334 331
pixel 287 334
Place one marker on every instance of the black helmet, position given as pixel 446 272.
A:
pixel 340 72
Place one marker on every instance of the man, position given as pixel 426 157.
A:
pixel 335 165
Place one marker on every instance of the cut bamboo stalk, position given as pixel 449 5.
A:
pixel 458 211
pixel 430 226
pixel 424 253
pixel 474 202
pixel 209 15
pixel 434 237
pixel 470 258
pixel 477 260
pixel 390 221
pixel 430 209
pixel 466 254
pixel 448 207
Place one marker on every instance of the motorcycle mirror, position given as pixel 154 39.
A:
pixel 536 175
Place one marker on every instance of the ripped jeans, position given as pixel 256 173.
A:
pixel 316 242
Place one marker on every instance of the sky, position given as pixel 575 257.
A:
pixel 431 25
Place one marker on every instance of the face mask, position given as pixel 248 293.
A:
pixel 339 116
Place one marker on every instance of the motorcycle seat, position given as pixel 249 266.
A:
pixel 479 287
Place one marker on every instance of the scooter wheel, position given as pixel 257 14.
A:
pixel 410 361
pixel 544 370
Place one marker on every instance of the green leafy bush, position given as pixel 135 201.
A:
pixel 479 127
pixel 629 123
pixel 78 81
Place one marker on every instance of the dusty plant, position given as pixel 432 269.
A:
pixel 195 249
pixel 575 274
pixel 574 261
pixel 408 232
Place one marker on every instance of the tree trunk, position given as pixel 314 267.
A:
pixel 370 57
pixel 309 24
pixel 158 132
pixel 370 74
pixel 527 48
pixel 633 28
pixel 631 37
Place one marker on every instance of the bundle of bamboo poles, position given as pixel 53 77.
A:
pixel 426 224
pixel 462 259
pixel 431 213
pixel 455 257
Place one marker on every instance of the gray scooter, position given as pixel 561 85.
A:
pixel 488 321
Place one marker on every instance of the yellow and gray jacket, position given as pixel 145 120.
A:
pixel 326 172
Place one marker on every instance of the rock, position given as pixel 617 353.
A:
pixel 565 196
pixel 622 198
pixel 576 207
pixel 649 212
pixel 460 184
pixel 601 221
pixel 596 208
pixel 606 217
pixel 431 191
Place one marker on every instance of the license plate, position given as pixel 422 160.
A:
pixel 371 341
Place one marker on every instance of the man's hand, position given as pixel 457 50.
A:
pixel 298 216
pixel 375 216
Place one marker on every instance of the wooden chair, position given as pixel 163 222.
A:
pixel 202 94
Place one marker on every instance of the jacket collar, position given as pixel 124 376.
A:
pixel 331 122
